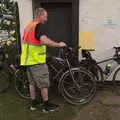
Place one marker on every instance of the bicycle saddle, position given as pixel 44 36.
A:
pixel 117 48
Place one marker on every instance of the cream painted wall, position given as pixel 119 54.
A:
pixel 103 18
pixel 25 12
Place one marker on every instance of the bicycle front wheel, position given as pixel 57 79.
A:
pixel 116 80
pixel 79 91
pixel 4 80
pixel 22 84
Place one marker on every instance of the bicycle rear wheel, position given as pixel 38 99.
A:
pixel 22 84
pixel 116 80
pixel 4 80
pixel 82 90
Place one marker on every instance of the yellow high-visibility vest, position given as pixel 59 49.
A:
pixel 33 52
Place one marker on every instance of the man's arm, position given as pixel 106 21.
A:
pixel 41 35
pixel 47 41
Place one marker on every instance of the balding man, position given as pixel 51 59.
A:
pixel 33 56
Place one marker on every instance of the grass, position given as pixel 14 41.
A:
pixel 13 107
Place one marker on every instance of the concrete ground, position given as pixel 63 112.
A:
pixel 105 106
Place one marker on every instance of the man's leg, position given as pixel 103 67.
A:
pixel 32 92
pixel 32 89
pixel 33 96
pixel 41 78
pixel 47 105
pixel 44 94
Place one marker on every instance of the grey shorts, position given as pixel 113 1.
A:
pixel 38 75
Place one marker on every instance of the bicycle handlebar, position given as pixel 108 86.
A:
pixel 70 48
pixel 67 52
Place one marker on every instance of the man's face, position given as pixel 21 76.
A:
pixel 43 17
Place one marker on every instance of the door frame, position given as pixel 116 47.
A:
pixel 75 17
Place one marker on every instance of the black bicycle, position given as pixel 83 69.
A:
pixel 76 84
pixel 110 70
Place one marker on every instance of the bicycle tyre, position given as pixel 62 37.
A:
pixel 87 76
pixel 74 98
pixel 116 81
pixel 22 84
pixel 4 80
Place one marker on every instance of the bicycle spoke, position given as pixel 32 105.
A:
pixel 22 84
pixel 85 90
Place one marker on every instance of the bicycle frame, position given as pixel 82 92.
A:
pixel 63 65
pixel 111 74
pixel 51 65
pixel 115 58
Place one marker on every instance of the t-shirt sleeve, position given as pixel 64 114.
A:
pixel 40 30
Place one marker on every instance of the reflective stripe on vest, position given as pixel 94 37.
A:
pixel 32 50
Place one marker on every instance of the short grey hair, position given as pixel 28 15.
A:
pixel 39 11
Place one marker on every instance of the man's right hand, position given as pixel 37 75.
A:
pixel 62 44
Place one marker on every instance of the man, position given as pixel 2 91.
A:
pixel 33 56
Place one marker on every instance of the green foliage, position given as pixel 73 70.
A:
pixel 9 29
pixel 7 7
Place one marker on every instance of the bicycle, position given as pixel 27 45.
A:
pixel 83 86
pixel 109 72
